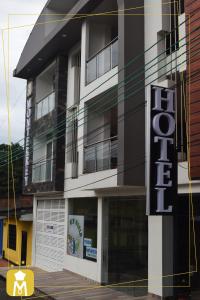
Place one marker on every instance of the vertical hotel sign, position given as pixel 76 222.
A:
pixel 162 173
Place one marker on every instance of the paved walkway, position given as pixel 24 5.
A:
pixel 65 285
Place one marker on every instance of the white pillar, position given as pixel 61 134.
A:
pixel 160 255
pixel 99 237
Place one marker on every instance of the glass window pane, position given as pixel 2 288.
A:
pixel 92 70
pixel 36 173
pixel 49 156
pixel 48 170
pixel 42 171
pixel 90 159
pixel 45 107
pixel 84 213
pixel 114 54
pixel 51 102
pixel 104 63
pixel 49 150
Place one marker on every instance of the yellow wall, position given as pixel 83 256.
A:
pixel 12 255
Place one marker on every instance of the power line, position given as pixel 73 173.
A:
pixel 154 73
pixel 134 59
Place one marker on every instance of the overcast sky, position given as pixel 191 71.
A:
pixel 18 38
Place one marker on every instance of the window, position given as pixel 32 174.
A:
pixel 12 237
pixel 43 164
pixel 172 38
pixel 82 228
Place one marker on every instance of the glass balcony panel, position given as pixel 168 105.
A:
pixel 104 61
pixel 92 70
pixel 39 110
pixel 90 159
pixel 114 51
pixel 45 108
pixel 103 156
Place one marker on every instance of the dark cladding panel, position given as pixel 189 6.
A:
pixel 131 95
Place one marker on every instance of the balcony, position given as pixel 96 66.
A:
pixel 102 62
pixel 42 172
pixel 45 105
pixel 101 155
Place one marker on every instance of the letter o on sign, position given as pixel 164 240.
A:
pixel 171 124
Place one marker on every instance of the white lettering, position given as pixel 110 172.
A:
pixel 159 99
pixel 160 201
pixel 171 124
pixel 163 146
pixel 162 174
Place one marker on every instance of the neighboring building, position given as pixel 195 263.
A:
pixel 87 141
pixel 16 245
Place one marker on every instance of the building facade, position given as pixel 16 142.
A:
pixel 87 155
pixel 16 230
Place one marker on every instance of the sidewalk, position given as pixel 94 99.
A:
pixel 65 285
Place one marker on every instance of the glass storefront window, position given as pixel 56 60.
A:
pixel 82 228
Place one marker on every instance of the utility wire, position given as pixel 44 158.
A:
pixel 130 62
pixel 156 71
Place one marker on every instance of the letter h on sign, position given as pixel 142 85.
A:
pixel 162 163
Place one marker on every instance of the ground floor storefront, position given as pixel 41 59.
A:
pixel 110 240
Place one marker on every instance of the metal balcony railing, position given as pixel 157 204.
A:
pixel 102 62
pixel 101 155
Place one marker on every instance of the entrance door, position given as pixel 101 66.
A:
pixel 1 238
pixel 23 248
pixel 128 242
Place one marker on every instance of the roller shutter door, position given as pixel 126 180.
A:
pixel 50 232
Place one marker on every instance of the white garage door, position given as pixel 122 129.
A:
pixel 50 232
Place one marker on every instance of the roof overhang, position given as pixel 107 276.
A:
pixel 40 50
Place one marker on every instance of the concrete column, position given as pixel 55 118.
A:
pixel 160 256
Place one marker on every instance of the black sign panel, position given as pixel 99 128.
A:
pixel 163 162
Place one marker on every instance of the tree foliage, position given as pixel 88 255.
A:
pixel 6 168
